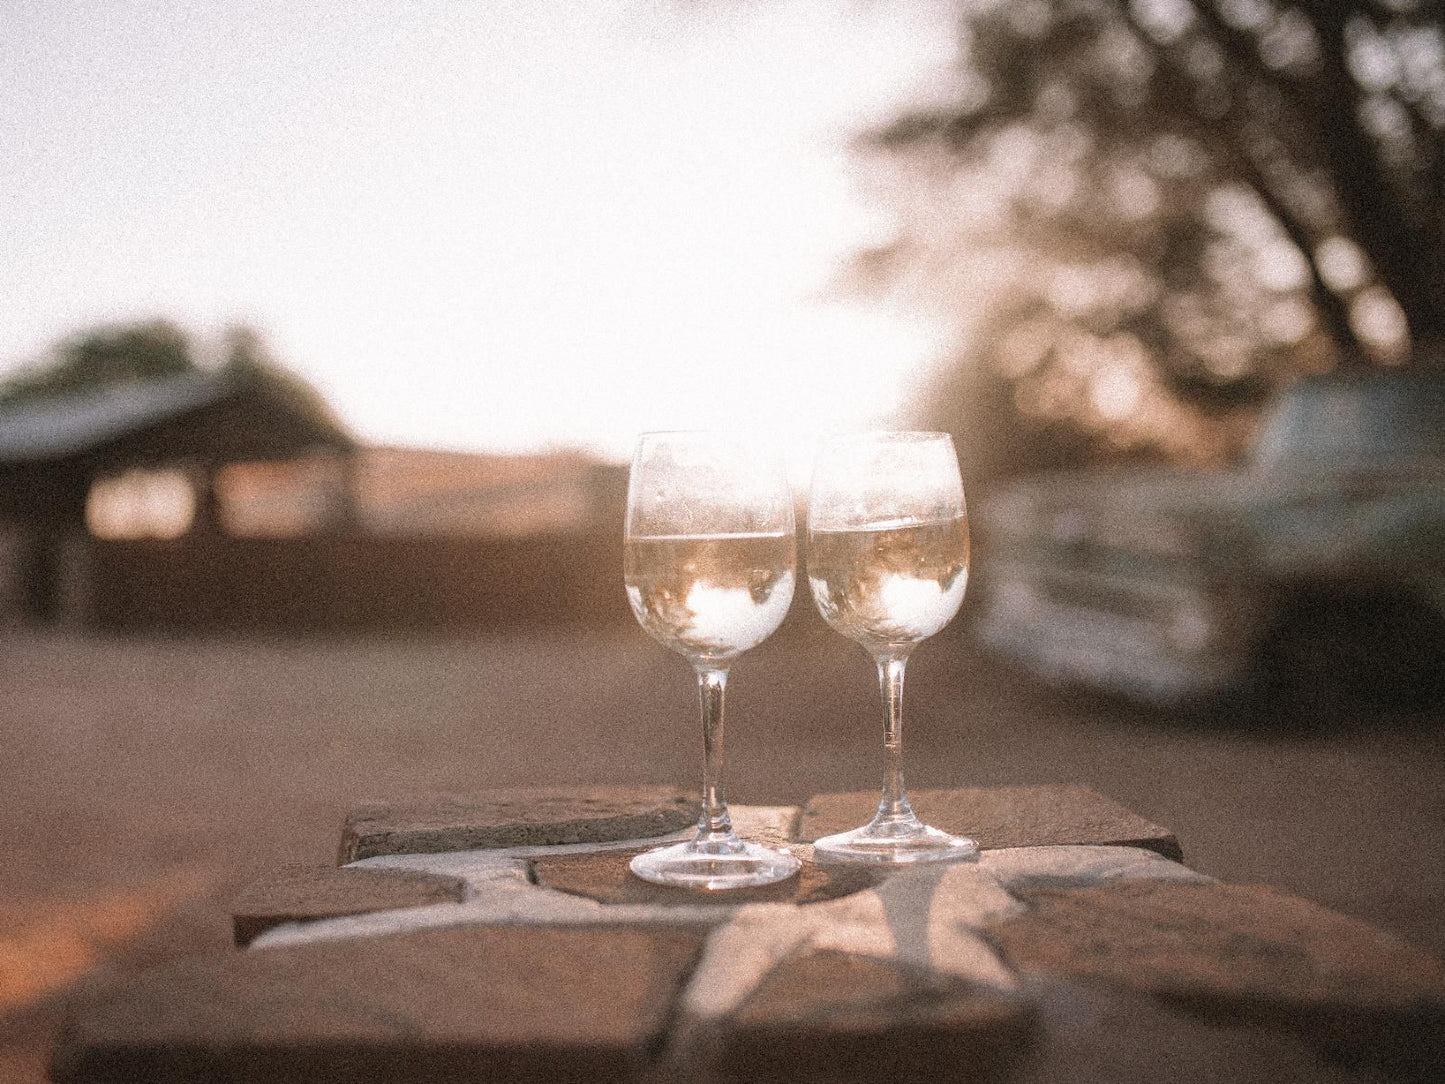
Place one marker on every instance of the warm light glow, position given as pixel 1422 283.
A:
pixel 1342 263
pixel 1377 319
pixel 48 947
pixel 141 504
pixel 1116 390
pixel 483 226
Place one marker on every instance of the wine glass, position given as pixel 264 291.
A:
pixel 709 554
pixel 888 564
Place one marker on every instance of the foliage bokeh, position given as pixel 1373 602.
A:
pixel 1146 216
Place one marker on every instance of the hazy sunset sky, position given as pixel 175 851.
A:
pixel 496 225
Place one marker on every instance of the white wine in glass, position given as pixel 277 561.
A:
pixel 888 559
pixel 708 559
pixel 710 596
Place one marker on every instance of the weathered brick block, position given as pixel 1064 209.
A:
pixel 519 817
pixel 1018 816
pixel 488 1003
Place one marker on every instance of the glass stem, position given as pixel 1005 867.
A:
pixel 714 826
pixel 893 807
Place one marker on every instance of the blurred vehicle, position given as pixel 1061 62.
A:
pixel 1316 572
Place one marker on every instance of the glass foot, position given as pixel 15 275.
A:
pixel 687 865
pixel 896 844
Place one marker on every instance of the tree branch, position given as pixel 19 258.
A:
pixel 1400 240
pixel 1226 138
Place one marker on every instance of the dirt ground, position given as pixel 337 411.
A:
pixel 144 780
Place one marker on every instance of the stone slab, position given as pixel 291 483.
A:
pixel 308 893
pixel 1239 953
pixel 1063 814
pixel 544 959
pixel 492 1003
pixel 1110 1035
pixel 515 817
pixel 604 876
pixel 834 1017
pixel 1079 867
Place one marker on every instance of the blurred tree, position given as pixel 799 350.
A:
pixel 103 357
pixel 1177 205
pixel 247 356
pixel 118 354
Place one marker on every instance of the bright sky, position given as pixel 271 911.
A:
pixel 492 225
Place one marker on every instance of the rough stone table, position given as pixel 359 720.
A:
pixel 500 937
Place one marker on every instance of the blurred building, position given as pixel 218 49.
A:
pixel 219 501
pixel 171 435
pixel 415 491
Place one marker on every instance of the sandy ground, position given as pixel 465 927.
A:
pixel 144 780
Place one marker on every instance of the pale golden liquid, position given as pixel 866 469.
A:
pixel 890 585
pixel 710 597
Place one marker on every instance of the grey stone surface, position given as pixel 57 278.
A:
pixel 307 893
pixel 1016 816
pixel 933 914
pixel 494 1003
pixel 518 817
pixel 1078 867
pixel 826 1017
pixel 1240 952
